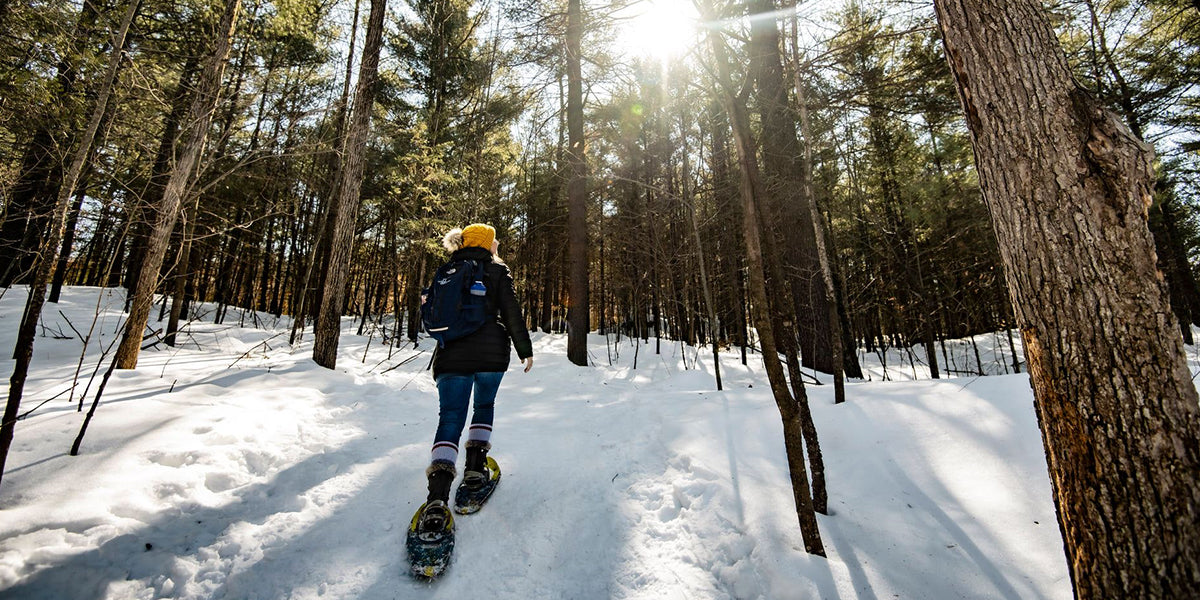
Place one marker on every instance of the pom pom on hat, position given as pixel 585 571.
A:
pixel 478 235
pixel 452 240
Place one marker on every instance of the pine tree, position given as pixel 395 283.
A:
pixel 1068 186
pixel 327 330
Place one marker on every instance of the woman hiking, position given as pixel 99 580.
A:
pixel 476 362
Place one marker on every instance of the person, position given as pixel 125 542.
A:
pixel 475 362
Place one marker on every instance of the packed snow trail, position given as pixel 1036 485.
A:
pixel 234 467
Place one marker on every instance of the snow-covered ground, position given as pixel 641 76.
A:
pixel 990 354
pixel 234 467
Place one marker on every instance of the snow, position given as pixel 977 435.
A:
pixel 234 467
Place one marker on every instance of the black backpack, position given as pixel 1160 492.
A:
pixel 455 304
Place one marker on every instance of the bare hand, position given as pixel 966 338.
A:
pixel 528 363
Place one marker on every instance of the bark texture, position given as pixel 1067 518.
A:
pixel 167 210
pixel 577 235
pixel 1068 187
pixel 327 329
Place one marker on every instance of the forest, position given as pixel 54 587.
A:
pixel 806 181
pixel 470 123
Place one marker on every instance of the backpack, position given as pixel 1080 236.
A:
pixel 455 304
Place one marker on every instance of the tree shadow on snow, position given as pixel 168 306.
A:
pixel 150 553
pixel 963 540
pixel 530 537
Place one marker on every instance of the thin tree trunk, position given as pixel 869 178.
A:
pixel 1068 187
pixel 1016 364
pixel 708 300
pixel 743 317
pixel 64 256
pixel 199 117
pixel 44 266
pixel 413 295
pixel 782 180
pixel 327 330
pixel 751 187
pixel 182 276
pixel 810 201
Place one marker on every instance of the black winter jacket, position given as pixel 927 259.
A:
pixel 488 350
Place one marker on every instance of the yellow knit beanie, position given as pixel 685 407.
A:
pixel 479 235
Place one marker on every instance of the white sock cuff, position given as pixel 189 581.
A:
pixel 479 433
pixel 444 452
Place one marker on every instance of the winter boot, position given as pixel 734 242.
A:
pixel 436 513
pixel 441 476
pixel 476 473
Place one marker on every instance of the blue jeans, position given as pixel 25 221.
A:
pixel 454 394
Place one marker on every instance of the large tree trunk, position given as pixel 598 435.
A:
pixel 160 170
pixel 576 192
pixel 345 214
pixel 782 175
pixel 44 267
pixel 310 301
pixel 199 117
pixel 1068 187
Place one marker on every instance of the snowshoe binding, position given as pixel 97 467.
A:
pixel 476 488
pixel 430 540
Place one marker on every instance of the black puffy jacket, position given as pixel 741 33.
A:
pixel 488 350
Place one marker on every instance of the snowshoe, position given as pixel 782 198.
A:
pixel 430 540
pixel 473 492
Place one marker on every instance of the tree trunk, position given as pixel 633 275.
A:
pixel 30 202
pixel 44 267
pixel 182 276
pixel 199 117
pixel 1068 187
pixel 328 326
pixel 576 191
pixel 782 179
pixel 709 308
pixel 822 249
pixel 64 256
pixel 751 188
pixel 319 258
pixel 160 171
pixel 413 295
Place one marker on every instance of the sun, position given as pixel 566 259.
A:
pixel 660 29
